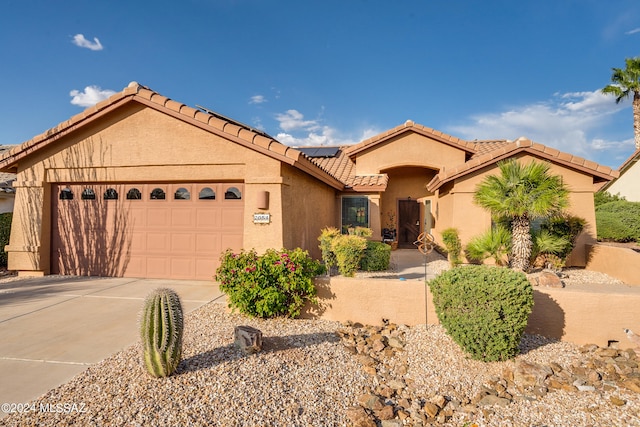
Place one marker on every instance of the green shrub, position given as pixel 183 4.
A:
pixel 376 256
pixel 612 228
pixel 484 309
pixel 453 246
pixel 5 232
pixel 628 227
pixel 327 235
pixel 277 283
pixel 564 227
pixel 602 197
pixel 349 250
pixel 362 232
pixel 494 243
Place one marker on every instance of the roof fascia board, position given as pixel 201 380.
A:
pixel 435 183
pixel 405 129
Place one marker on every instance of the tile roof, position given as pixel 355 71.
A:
pixel 409 125
pixel 212 122
pixel 343 168
pixel 495 151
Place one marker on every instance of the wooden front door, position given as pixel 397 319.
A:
pixel 408 223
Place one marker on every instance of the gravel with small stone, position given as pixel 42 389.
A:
pixel 324 373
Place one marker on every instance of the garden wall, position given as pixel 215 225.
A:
pixel 621 263
pixel 580 314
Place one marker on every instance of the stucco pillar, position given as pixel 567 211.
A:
pixel 25 249
pixel 375 216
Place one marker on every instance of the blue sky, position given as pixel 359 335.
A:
pixel 333 72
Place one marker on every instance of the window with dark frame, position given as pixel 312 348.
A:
pixel 88 194
pixel 134 194
pixel 110 194
pixel 66 194
pixel 355 212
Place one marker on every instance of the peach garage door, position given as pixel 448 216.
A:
pixel 174 230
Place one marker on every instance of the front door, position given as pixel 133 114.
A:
pixel 408 223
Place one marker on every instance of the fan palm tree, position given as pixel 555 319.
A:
pixel 521 194
pixel 624 83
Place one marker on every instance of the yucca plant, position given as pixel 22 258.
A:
pixel 161 328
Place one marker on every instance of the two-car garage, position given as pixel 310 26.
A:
pixel 153 230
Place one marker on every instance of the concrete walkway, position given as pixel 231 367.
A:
pixel 52 327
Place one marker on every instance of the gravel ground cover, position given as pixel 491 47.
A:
pixel 303 377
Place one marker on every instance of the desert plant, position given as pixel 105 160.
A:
pixel 494 243
pixel 376 256
pixel 161 329
pixel 5 232
pixel 484 309
pixel 453 246
pixel 349 250
pixel 327 235
pixel 522 193
pixel 277 283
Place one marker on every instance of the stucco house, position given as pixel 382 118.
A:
pixel 140 185
pixel 626 184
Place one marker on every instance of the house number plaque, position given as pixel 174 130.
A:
pixel 261 218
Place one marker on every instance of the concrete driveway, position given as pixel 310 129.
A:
pixel 52 327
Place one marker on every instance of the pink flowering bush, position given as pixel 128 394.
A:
pixel 277 283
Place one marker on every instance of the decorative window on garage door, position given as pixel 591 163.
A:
pixel 66 194
pixel 232 193
pixel 207 194
pixel 158 194
pixel 88 194
pixel 134 194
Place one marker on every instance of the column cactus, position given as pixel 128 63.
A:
pixel 161 327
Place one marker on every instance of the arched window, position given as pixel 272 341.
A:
pixel 158 194
pixel 207 194
pixel 88 194
pixel 66 194
pixel 110 194
pixel 134 194
pixel 182 194
pixel 232 193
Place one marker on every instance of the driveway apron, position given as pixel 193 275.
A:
pixel 53 327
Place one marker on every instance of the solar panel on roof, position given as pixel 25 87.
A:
pixel 316 152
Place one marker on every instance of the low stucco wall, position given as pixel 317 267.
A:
pixel 621 263
pixel 581 315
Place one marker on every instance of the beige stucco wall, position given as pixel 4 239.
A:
pixel 627 184
pixel 621 263
pixel 138 144
pixel 559 313
pixel 408 149
pixel 308 206
pixel 457 209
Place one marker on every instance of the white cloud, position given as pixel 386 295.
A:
pixel 257 99
pixel 298 132
pixel 634 31
pixel 569 122
pixel 91 95
pixel 80 41
pixel 293 120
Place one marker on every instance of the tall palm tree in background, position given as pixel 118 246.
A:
pixel 624 83
pixel 520 194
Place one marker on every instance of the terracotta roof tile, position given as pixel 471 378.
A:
pixel 489 152
pixel 410 125
pixel 236 131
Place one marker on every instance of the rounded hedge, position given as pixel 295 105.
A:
pixel 484 309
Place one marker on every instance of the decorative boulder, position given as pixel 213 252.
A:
pixel 248 339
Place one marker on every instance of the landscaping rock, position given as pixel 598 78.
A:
pixel 358 417
pixel 545 278
pixel 248 339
